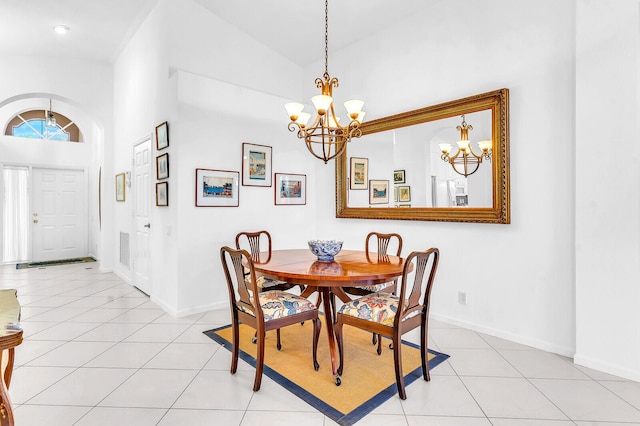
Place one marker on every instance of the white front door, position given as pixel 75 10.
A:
pixel 141 212
pixel 59 215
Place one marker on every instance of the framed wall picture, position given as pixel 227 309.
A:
pixel 217 188
pixel 162 166
pixel 290 189
pixel 162 194
pixel 404 194
pixel 398 176
pixel 359 173
pixel 395 194
pixel 378 192
pixel 162 136
pixel 256 165
pixel 120 192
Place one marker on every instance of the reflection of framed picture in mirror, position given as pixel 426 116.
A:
pixel 359 173
pixel 398 176
pixel 162 136
pixel 217 188
pixel 120 194
pixel 404 194
pixel 162 166
pixel 256 165
pixel 290 189
pixel 378 192
pixel 162 194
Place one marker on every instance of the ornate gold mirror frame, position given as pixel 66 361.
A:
pixel 496 101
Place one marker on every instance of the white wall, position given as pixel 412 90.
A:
pixel 81 90
pixel 607 198
pixel 214 97
pixel 519 278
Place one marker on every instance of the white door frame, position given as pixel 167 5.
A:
pixel 141 191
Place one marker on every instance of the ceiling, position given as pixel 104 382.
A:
pixel 100 29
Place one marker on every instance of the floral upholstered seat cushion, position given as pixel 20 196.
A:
pixel 278 304
pixel 263 282
pixel 376 307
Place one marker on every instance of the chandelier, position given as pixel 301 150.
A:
pixel 51 120
pixel 465 162
pixel 326 138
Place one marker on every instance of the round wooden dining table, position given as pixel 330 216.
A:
pixel 350 268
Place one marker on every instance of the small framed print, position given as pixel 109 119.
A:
pixel 395 194
pixel 256 165
pixel 398 176
pixel 358 178
pixel 162 136
pixel 120 191
pixel 378 192
pixel 290 189
pixel 162 194
pixel 404 194
pixel 162 166
pixel 217 188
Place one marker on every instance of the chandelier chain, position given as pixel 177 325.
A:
pixel 326 36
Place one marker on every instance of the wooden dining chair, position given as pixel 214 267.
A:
pixel 262 310
pixel 392 315
pixel 252 242
pixel 384 242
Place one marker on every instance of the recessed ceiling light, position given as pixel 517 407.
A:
pixel 61 29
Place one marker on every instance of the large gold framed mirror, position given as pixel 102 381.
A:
pixel 396 169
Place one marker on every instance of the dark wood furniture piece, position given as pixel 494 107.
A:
pixel 262 310
pixel 383 242
pixel 251 240
pixel 349 268
pixel 10 337
pixel 392 315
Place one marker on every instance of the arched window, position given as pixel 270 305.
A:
pixel 33 124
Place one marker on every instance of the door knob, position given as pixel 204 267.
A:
pixel 35 220
pixel 148 225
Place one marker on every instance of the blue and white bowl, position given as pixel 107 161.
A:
pixel 325 249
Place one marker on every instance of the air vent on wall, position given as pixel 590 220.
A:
pixel 124 249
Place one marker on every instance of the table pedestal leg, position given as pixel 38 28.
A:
pixel 325 294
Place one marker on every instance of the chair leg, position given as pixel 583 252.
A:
pixel 374 338
pixel 259 363
pixel 278 345
pixel 397 360
pixel 316 336
pixel 338 332
pixel 379 345
pixel 424 351
pixel 235 346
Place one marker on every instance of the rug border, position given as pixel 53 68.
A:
pixel 344 419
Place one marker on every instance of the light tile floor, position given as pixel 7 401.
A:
pixel 99 352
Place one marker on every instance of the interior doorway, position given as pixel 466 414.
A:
pixel 141 215
pixel 59 214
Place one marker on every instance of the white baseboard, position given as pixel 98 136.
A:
pixel 606 367
pixel 523 340
pixel 191 311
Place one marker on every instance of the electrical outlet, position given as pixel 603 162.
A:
pixel 462 297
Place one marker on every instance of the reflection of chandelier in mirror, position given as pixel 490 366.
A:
pixel 465 162
pixel 325 137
